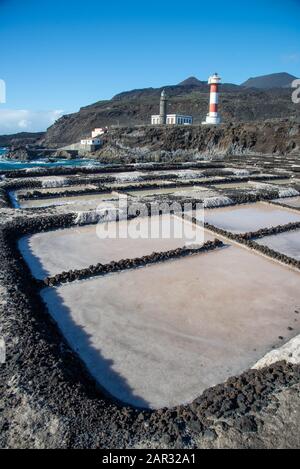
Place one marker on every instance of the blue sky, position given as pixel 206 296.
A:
pixel 59 55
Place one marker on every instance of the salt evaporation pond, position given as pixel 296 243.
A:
pixel 124 185
pixel 128 175
pixel 286 243
pixel 151 192
pixel 184 173
pixel 196 192
pixel 290 201
pixel 54 190
pixel 79 202
pixel 282 182
pixel 235 185
pixel 159 336
pixel 187 191
pixel 205 180
pixel 250 217
pixel 52 252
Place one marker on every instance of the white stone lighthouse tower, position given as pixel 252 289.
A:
pixel 213 117
pixel 163 108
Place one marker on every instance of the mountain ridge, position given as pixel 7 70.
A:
pixel 135 107
pixel 273 80
pixel 191 81
pixel 191 96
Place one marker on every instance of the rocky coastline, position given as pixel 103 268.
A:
pixel 181 143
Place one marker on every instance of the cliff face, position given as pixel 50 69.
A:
pixel 237 104
pixel 182 143
pixel 27 152
pixel 22 138
pixel 165 143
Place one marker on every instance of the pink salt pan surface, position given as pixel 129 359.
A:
pixel 286 243
pixel 124 184
pixel 250 217
pixel 50 253
pixel 290 201
pixel 188 191
pixel 160 335
pixel 79 202
pixel 53 190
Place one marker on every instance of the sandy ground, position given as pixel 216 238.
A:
pixel 53 252
pixel 144 333
pixel 251 217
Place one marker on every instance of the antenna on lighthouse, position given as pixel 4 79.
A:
pixel 213 117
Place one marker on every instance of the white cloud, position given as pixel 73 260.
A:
pixel 21 120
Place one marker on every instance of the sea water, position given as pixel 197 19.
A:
pixel 10 165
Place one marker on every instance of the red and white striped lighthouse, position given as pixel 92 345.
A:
pixel 213 117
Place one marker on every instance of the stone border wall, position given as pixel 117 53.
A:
pixel 239 198
pixel 126 264
pixel 64 171
pixel 4 198
pixel 248 239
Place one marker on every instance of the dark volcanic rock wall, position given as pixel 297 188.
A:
pixel 163 143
